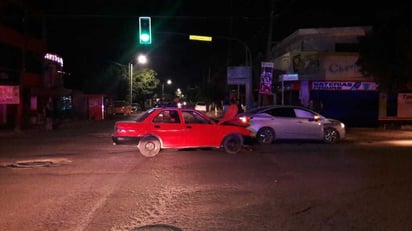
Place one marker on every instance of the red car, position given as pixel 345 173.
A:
pixel 180 128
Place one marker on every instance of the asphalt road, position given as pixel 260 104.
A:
pixel 73 178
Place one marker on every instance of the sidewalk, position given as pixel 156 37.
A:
pixel 84 126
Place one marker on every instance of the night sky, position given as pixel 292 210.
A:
pixel 91 34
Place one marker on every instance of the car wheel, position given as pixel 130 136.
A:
pixel 149 146
pixel 233 143
pixel 331 135
pixel 265 136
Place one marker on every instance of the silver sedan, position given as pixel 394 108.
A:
pixel 282 122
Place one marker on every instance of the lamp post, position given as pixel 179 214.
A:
pixel 141 59
pixel 131 82
pixel 163 88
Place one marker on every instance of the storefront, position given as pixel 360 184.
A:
pixel 331 84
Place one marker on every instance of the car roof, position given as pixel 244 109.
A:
pixel 263 108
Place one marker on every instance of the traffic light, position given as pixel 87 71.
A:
pixel 145 30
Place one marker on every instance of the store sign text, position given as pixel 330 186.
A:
pixel 344 86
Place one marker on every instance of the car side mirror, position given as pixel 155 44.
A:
pixel 314 118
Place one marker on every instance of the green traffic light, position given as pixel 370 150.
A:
pixel 144 38
pixel 145 30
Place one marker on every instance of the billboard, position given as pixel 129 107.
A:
pixel 266 78
pixel 239 75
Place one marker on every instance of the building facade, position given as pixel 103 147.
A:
pixel 328 79
pixel 30 78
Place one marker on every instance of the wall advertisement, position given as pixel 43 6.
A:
pixel 9 94
pixel 404 105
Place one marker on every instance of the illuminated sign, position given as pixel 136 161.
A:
pixel 289 77
pixel 200 38
pixel 54 58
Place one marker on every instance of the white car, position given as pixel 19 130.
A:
pixel 281 122
pixel 201 106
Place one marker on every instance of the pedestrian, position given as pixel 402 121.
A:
pixel 239 107
pixel 48 113
pixel 231 111
pixel 225 105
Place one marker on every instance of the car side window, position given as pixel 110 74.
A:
pixel 167 116
pixel 303 114
pixel 282 112
pixel 191 117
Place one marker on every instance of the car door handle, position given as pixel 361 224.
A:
pixel 188 126
pixel 157 126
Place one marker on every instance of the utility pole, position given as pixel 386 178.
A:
pixel 268 55
pixel 269 42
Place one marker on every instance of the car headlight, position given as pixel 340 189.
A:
pixel 244 119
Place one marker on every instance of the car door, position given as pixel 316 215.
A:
pixel 169 127
pixel 309 127
pixel 200 131
pixel 283 122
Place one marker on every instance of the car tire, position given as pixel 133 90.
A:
pixel 233 143
pixel 265 135
pixel 331 135
pixel 149 146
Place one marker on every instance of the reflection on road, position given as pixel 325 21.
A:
pixel 404 143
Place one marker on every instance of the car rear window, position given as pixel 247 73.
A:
pixel 141 117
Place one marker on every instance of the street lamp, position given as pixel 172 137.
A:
pixel 142 59
pixel 163 88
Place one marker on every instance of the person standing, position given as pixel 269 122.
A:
pixel 48 113
pixel 231 111
pixel 239 107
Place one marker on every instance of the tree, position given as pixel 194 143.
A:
pixel 144 85
pixel 115 81
pixel 386 54
pixel 112 79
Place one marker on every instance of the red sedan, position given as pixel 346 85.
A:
pixel 179 128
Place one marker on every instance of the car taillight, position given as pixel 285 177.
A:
pixel 119 130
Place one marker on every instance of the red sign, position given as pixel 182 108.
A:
pixel 266 78
pixel 9 94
